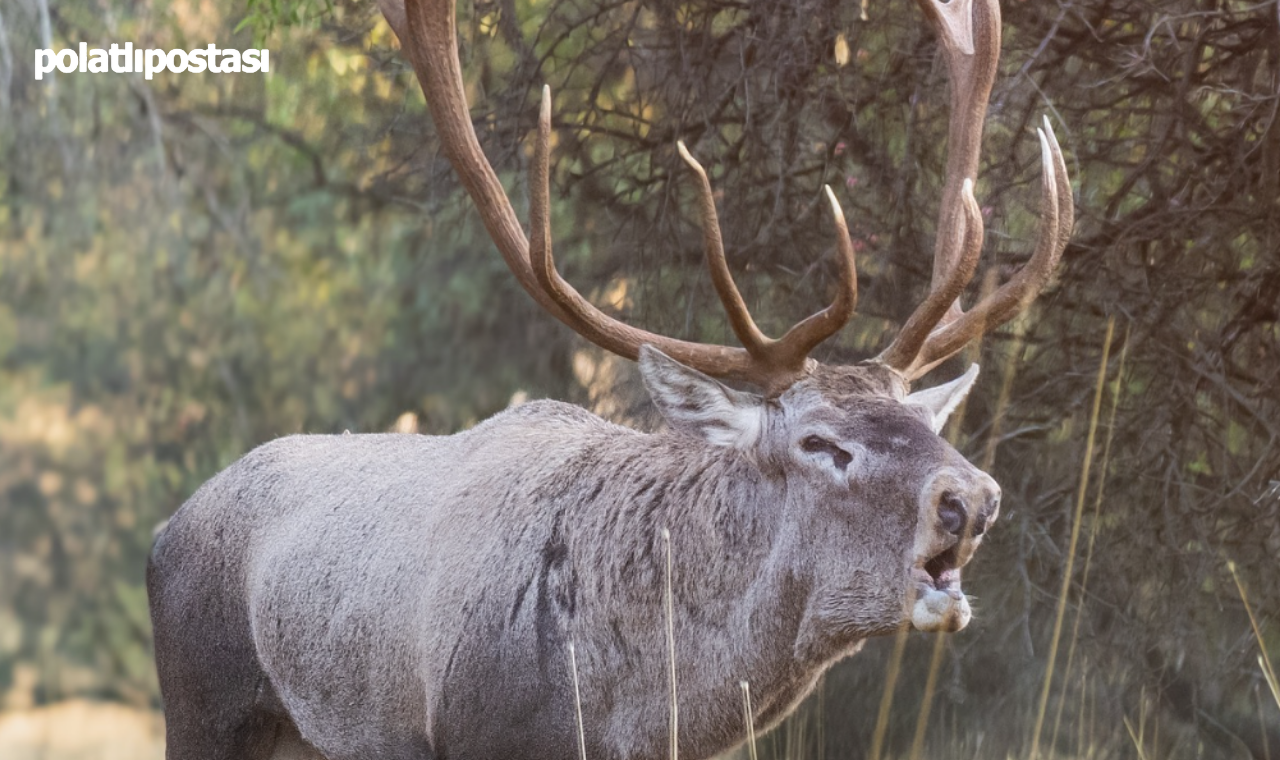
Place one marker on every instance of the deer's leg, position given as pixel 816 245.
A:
pixel 211 709
pixel 217 698
pixel 211 715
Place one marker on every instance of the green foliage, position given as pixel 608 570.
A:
pixel 264 16
pixel 191 267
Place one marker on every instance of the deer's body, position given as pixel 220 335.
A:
pixel 409 597
pixel 415 596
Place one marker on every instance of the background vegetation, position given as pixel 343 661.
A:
pixel 193 265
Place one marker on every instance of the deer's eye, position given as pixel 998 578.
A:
pixel 815 444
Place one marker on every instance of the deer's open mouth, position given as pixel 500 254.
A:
pixel 937 603
pixel 943 569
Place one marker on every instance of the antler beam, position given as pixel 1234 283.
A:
pixel 939 327
pixel 429 36
pixel 786 356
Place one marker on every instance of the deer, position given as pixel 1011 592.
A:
pixel 507 591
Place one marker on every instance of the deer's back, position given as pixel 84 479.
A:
pixel 376 573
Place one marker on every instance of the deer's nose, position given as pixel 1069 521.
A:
pixel 951 513
pixel 969 512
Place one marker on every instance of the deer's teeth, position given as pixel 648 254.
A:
pixel 942 568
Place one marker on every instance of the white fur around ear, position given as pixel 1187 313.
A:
pixel 695 402
pixel 942 400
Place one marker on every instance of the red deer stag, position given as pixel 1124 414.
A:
pixel 405 596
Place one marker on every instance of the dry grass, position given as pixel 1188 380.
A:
pixel 749 719
pixel 82 730
pixel 1075 540
pixel 577 703
pixel 1264 661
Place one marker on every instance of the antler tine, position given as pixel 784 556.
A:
pixel 582 315
pixel 427 33
pixel 915 332
pixel 1056 217
pixel 544 268
pixel 540 255
pixel 429 36
pixel 970 33
pixel 1066 207
pixel 954 20
pixel 740 319
pixel 806 335
pixel 783 359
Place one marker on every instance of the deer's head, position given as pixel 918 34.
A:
pixel 873 486
pixel 878 513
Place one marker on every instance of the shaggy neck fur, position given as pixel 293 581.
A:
pixel 740 597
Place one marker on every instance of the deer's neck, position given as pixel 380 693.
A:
pixel 739 592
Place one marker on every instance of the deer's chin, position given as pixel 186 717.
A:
pixel 939 605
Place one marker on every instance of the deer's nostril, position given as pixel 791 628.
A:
pixel 984 517
pixel 951 513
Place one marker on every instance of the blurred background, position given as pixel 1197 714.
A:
pixel 196 264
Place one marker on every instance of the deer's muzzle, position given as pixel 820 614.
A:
pixel 962 503
pixel 937 603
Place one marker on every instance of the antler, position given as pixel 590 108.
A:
pixel 970 34
pixel 787 356
pixel 427 32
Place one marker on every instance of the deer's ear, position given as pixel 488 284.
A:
pixel 699 404
pixel 942 400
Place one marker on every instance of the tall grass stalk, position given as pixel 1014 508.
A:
pixel 797 734
pixel 1265 665
pixel 988 457
pixel 821 723
pixel 886 698
pixel 749 719
pixel 1075 540
pixel 1093 534
pixel 671 650
pixel 1264 661
pixel 1083 722
pixel 1139 737
pixel 577 704
pixel 926 700
pixel 1262 721
pixel 1006 392
pixel 1136 737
